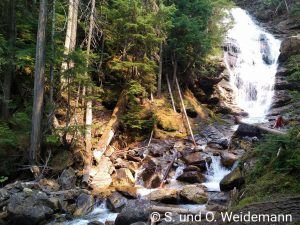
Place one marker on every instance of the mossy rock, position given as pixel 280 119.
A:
pixel 167 120
pixel 232 180
pixel 61 160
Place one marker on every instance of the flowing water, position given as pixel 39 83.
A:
pixel 215 173
pixel 253 75
pixel 252 78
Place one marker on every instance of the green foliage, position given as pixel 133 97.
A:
pixel 7 136
pixel 3 179
pixel 196 30
pixel 137 119
pixel 53 140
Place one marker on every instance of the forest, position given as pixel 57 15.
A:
pixel 140 106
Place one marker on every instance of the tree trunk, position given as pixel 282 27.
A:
pixel 52 62
pixel 184 111
pixel 170 91
pixel 160 71
pixel 71 33
pixel 174 62
pixel 110 128
pixel 261 128
pixel 39 75
pixel 11 67
pixel 89 104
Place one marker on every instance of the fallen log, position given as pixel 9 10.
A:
pixel 164 209
pixel 168 169
pixel 110 128
pixel 260 127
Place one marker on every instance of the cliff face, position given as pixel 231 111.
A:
pixel 275 18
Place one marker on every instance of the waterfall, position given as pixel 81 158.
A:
pixel 215 173
pixel 251 59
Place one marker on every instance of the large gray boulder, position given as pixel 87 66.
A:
pixel 289 46
pixel 84 204
pixel 67 179
pixel 234 179
pixel 116 202
pixel 29 208
pixel 134 211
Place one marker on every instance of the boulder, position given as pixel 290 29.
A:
pixel 67 179
pixel 134 211
pixel 3 194
pixel 247 130
pixel 30 209
pixel 228 159
pixel 49 185
pixel 218 202
pixel 193 158
pixel 149 175
pixel 128 191
pixel 232 180
pixel 192 168
pixel 123 177
pixel 168 196
pixel 194 194
pixel 84 204
pixel 289 46
pixel 191 177
pixel 116 202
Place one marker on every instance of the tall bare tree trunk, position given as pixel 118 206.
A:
pixel 39 76
pixel 11 67
pixel 184 111
pixel 89 104
pixel 52 61
pixel 160 70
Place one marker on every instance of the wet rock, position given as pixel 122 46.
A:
pixel 29 210
pixel 149 174
pixel 265 50
pixel 3 194
pixel 208 160
pixel 193 158
pixel 280 99
pixel 192 168
pixel 194 194
pixel 134 211
pixel 212 134
pixel 95 223
pixel 228 159
pixel 246 130
pixel 168 196
pixel 139 223
pixel 67 179
pixel 192 177
pixel 128 191
pixel 123 177
pixel 289 46
pixel 116 202
pixel 84 204
pixel 157 149
pixel 218 202
pixel 232 180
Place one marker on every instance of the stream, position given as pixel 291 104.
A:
pixel 252 64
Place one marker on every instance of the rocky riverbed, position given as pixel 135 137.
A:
pixel 191 183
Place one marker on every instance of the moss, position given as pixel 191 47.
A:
pixel 61 160
pixel 168 120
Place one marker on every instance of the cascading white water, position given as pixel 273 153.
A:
pixel 253 75
pixel 100 213
pixel 215 173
